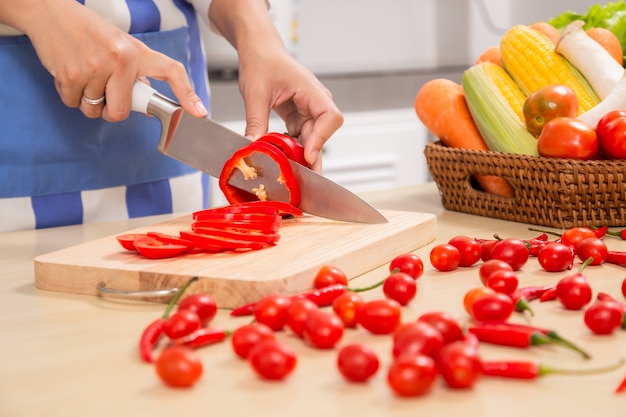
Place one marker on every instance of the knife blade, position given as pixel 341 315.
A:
pixel 206 145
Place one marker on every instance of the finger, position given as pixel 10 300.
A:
pixel 93 99
pixel 257 117
pixel 323 127
pixel 70 94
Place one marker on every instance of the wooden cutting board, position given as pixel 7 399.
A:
pixel 233 279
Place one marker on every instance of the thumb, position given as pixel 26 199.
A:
pixel 257 118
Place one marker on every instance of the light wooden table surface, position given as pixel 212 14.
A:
pixel 71 355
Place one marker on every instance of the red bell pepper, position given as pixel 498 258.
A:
pixel 287 178
pixel 290 147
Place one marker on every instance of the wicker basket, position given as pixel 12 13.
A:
pixel 559 193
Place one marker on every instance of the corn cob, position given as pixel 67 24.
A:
pixel 531 60
pixel 495 102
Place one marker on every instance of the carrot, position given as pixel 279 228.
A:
pixel 547 30
pixel 609 41
pixel 491 54
pixel 440 105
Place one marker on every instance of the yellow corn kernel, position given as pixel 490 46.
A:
pixel 531 60
pixel 509 90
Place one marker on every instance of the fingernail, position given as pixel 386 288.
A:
pixel 200 108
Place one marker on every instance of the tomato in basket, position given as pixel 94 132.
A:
pixel 566 137
pixel 611 131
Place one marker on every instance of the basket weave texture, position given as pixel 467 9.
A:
pixel 560 193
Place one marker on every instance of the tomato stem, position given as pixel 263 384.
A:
pixel 545 370
pixel 174 300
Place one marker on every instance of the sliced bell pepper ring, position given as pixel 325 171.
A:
pixel 211 242
pixel 243 226
pixel 128 240
pixel 154 248
pixel 282 207
pixel 288 145
pixel 287 178
pixel 246 236
pixel 174 240
pixel 236 209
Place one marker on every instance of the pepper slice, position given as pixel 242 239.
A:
pixel 286 178
pixel 210 242
pixel 290 147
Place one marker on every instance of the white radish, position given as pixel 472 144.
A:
pixel 593 61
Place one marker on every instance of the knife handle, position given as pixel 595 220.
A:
pixel 142 93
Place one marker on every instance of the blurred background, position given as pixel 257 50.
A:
pixel 374 55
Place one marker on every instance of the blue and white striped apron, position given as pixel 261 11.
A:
pixel 57 167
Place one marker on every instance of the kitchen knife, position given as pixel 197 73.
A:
pixel 206 145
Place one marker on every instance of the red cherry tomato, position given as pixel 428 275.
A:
pixel 567 137
pixel 411 376
pixel 380 316
pixel 624 287
pixel 323 329
pixel 347 306
pixel 490 266
pixel 357 362
pixel 417 337
pixel 556 257
pixel 401 287
pixel 547 103
pixel 574 291
pixel 611 131
pixel 329 275
pixel 297 314
pixel 181 324
pixel 592 247
pixel 272 310
pixel 503 281
pixel 178 366
pixel 247 336
pixel 486 248
pixel 409 263
pixel 469 249
pixel 445 257
pixel 459 364
pixel 513 251
pixel 474 294
pixel 202 304
pixel 448 326
pixel 493 307
pixel 272 359
pixel 604 317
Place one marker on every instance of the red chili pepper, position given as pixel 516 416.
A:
pixel 600 232
pixel 616 258
pixel 520 335
pixel 152 334
pixel 621 387
pixel 237 162
pixel 548 295
pixel 203 337
pixel 532 370
pixel 522 296
pixel 537 243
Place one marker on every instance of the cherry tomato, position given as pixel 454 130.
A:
pixel 493 307
pixel 472 295
pixel 592 247
pixel 272 359
pixel 574 291
pixel 513 251
pixel 547 103
pixel 503 281
pixel 247 336
pixel 447 325
pixel 459 364
pixel 409 263
pixel 469 249
pixel 490 266
pixel 401 287
pixel 566 137
pixel 128 240
pixel 411 376
pixel 357 362
pixel 417 337
pixel 202 304
pixel 329 275
pixel 323 329
pixel 272 310
pixel 604 317
pixel 380 316
pixel 574 235
pixel 347 306
pixel 486 249
pixel 556 257
pixel 445 257
pixel 178 366
pixel 154 248
pixel 611 131
pixel 181 324
pixel 297 314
